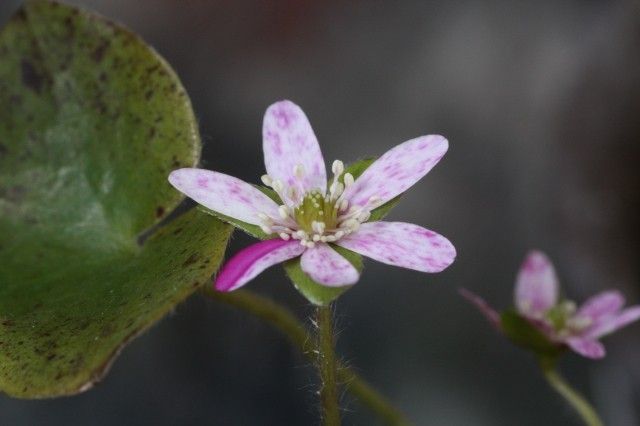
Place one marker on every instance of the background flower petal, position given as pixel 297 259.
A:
pixel 224 194
pixel 288 141
pixel 397 170
pixel 401 244
pixel 327 267
pixel 536 285
pixel 251 261
pixel 586 347
pixel 491 314
pixel 614 322
pixel 601 305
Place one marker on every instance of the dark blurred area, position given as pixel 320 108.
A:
pixel 540 102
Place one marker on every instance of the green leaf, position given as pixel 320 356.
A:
pixel 93 121
pixel 522 333
pixel 356 169
pixel 315 293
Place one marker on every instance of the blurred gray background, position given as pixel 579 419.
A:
pixel 540 101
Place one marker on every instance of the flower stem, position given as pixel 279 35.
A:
pixel 282 319
pixel 327 367
pixel 572 396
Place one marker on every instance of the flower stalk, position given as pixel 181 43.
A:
pixel 283 320
pixel 584 409
pixel 327 366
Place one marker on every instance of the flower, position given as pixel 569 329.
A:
pixel 561 321
pixel 314 214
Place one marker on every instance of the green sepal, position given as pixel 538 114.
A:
pixel 315 293
pixel 524 334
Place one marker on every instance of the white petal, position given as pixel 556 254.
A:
pixel 224 194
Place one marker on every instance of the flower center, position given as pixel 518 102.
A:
pixel 564 320
pixel 314 216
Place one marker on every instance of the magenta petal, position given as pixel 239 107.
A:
pixel 614 322
pixel 401 244
pixel 536 286
pixel 224 194
pixel 289 141
pixel 251 261
pixel 601 305
pixel 586 347
pixel 327 267
pixel 397 170
pixel 491 314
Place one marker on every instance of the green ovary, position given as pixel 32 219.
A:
pixel 316 208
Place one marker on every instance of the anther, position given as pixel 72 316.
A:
pixel 348 180
pixel 285 236
pixel 267 180
pixel 298 171
pixel 266 229
pixel 337 167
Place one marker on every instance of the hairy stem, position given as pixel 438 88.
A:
pixel 327 368
pixel 572 396
pixel 282 319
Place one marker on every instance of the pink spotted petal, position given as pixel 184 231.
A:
pixel 224 194
pixel 401 244
pixel 251 261
pixel 614 322
pixel 586 347
pixel 536 286
pixel 327 267
pixel 601 305
pixel 397 170
pixel 491 314
pixel 288 141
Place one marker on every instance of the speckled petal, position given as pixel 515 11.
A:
pixel 401 244
pixel 491 314
pixel 601 305
pixel 224 194
pixel 327 267
pixel 397 170
pixel 586 347
pixel 288 141
pixel 251 261
pixel 536 286
pixel 614 322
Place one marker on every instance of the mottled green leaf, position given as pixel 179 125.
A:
pixel 92 123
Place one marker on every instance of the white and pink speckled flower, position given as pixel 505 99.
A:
pixel 561 321
pixel 315 214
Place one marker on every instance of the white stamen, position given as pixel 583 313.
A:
pixel 267 180
pixel 298 171
pixel 310 244
pixel 266 229
pixel 277 185
pixel 348 180
pixel 284 211
pixel 324 238
pixel 263 217
pixel 285 236
pixel 337 168
pixel 343 205
pixel 339 235
pixel 330 238
pixel 316 238
pixel 301 234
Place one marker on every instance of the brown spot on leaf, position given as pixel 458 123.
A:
pixel 190 260
pixel 98 53
pixel 159 211
pixel 31 77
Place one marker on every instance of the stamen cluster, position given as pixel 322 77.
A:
pixel 315 216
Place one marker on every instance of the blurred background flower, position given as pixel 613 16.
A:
pixel 539 102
